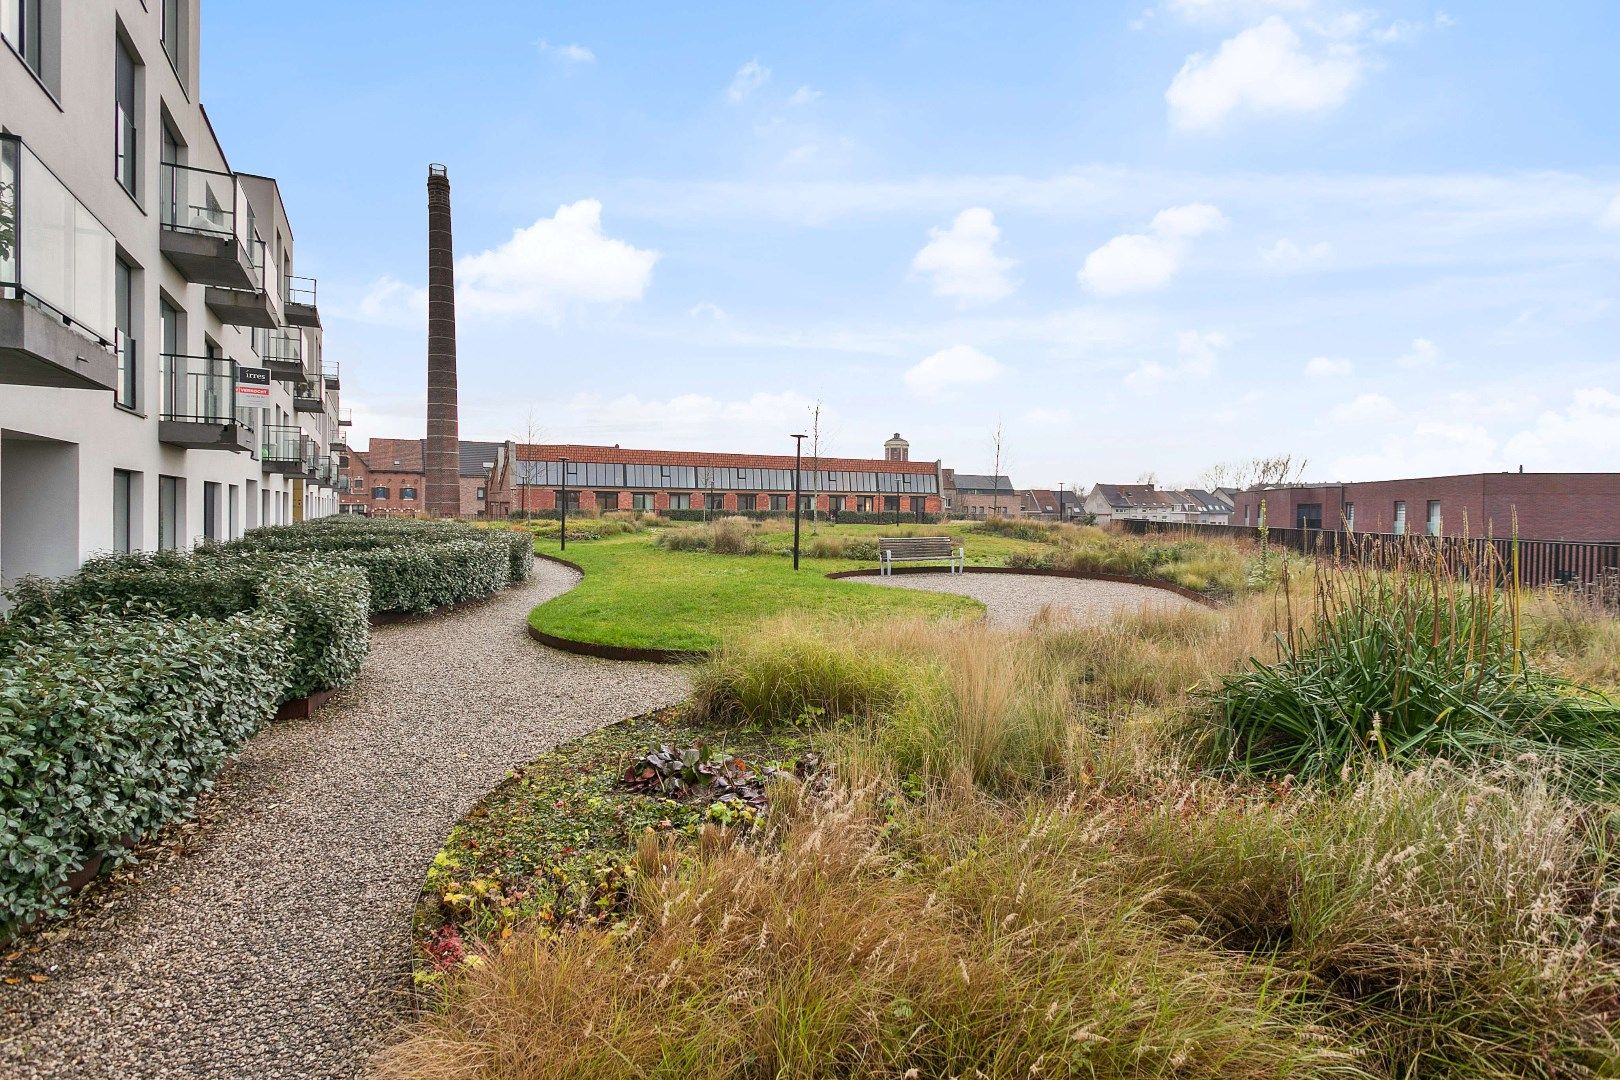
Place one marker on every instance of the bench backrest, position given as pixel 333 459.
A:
pixel 917 547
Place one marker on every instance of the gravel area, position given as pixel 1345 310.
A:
pixel 278 943
pixel 1012 600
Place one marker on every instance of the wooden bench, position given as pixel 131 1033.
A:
pixel 895 549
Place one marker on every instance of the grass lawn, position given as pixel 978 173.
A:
pixel 637 594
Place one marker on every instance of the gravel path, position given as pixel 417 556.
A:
pixel 279 944
pixel 1012 600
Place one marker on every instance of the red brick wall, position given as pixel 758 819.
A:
pixel 535 499
pixel 1549 506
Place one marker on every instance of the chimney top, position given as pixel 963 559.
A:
pixel 436 169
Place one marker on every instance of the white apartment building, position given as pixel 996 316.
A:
pixel 161 376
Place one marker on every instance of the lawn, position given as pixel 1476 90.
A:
pixel 637 594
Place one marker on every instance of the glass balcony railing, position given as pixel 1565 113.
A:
pixel 285 444
pixel 52 249
pixel 199 389
pixel 200 201
pixel 285 347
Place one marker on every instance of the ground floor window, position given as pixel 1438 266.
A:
pixel 918 504
pixel 407 493
pixel 681 501
pixel 210 510
pixel 714 502
pixel 779 502
pixel 123 510
pixel 891 503
pixel 748 502
pixel 233 515
pixel 641 500
pixel 1434 517
pixel 835 503
pixel 605 500
pixel 863 504
pixel 168 512
pixel 379 493
pixel 1400 518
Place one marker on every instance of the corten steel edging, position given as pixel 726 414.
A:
pixel 1079 575
pixel 686 656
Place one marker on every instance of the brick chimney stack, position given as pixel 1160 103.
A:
pixel 442 452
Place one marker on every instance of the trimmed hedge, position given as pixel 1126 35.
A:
pixel 412 566
pixel 324 604
pixel 111 724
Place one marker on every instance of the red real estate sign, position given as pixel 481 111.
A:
pixel 253 382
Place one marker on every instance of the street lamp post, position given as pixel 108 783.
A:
pixel 563 531
pixel 798 459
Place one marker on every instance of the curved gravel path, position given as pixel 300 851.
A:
pixel 279 944
pixel 1012 600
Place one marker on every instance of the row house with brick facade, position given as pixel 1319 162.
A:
pixel 531 478
pixel 1541 506
pixel 387 478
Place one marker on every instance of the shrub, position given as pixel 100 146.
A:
pixel 728 536
pixel 1413 664
pixel 111 724
pixel 833 546
pixel 323 604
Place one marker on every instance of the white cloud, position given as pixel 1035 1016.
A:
pixel 1138 262
pixel 1610 218
pixel 706 309
pixel 1366 409
pixel 1223 11
pixel 687 421
pixel 947 372
pixel 804 95
pixel 1585 435
pixel 1327 367
pixel 553 265
pixel 962 260
pixel 1199 351
pixel 1265 69
pixel 390 301
pixel 568 54
pixel 750 77
pixel 1423 353
pixel 1285 254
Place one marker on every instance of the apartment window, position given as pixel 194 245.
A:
pixel 127 144
pixel 748 502
pixel 605 500
pixel 1308 516
pixel 232 512
pixel 407 493
pixel 714 502
pixel 379 493
pixel 778 502
pixel 680 501
pixel 1350 516
pixel 210 510
pixel 1434 517
pixel 173 33
pixel 124 315
pixel 891 503
pixel 863 504
pixel 22 24
pixel 168 512
pixel 642 500
pixel 123 511
pixel 807 503
pixel 835 503
pixel 1400 518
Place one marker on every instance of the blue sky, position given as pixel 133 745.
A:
pixel 1141 238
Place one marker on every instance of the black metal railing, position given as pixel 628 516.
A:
pixel 199 389
pixel 1540 562
pixel 300 290
pixel 203 201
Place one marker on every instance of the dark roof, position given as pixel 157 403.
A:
pixel 1208 502
pixel 1133 496
pixel 982 482
pixel 475 454
pixel 1045 499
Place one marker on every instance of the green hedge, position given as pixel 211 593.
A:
pixel 324 604
pixel 111 723
pixel 412 566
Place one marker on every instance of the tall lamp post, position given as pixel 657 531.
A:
pixel 563 531
pixel 798 459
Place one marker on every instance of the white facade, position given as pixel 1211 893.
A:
pixel 143 285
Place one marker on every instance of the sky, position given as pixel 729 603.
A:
pixel 1139 238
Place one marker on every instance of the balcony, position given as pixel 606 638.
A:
pixel 329 372
pixel 207 227
pixel 284 355
pixel 243 307
pixel 285 449
pixel 56 281
pixel 307 398
pixel 300 309
pixel 199 405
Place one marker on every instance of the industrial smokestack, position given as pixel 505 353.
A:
pixel 442 466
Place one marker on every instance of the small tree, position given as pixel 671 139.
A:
pixel 997 443
pixel 530 432
pixel 815 464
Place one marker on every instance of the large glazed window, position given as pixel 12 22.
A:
pixel 127 137
pixel 22 24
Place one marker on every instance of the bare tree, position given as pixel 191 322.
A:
pixel 530 432
pixel 998 444
pixel 1265 471
pixel 1150 478
pixel 815 464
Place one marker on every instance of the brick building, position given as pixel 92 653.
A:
pixel 973 495
pixel 1549 506
pixel 387 478
pixel 529 478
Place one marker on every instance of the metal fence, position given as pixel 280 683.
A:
pixel 1541 562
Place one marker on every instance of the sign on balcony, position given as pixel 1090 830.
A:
pixel 252 382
